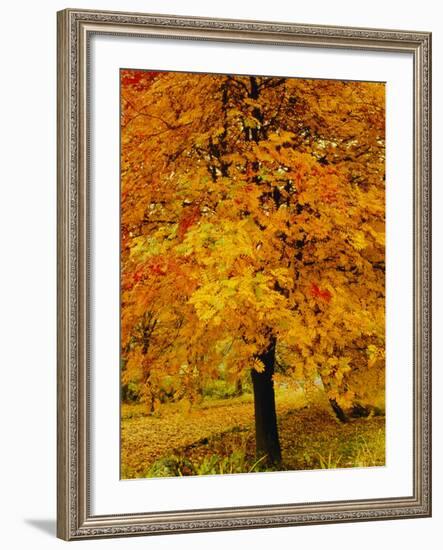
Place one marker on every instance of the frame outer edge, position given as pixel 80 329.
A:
pixel 429 244
pixel 72 514
pixel 62 290
pixel 427 265
pixel 63 267
pixel 422 272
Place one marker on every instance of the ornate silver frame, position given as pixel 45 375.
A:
pixel 75 521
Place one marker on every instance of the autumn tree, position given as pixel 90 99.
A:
pixel 252 231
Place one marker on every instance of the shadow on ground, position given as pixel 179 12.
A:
pixel 46 525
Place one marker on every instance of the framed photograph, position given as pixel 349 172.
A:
pixel 243 274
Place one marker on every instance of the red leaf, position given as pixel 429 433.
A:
pixel 190 217
pixel 158 269
pixel 317 292
pixel 138 79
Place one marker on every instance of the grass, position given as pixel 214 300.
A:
pixel 217 437
pixel 330 462
pixel 235 463
pixel 314 439
pixel 363 454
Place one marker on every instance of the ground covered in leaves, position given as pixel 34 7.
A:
pixel 217 437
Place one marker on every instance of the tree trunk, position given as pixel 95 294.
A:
pixel 266 432
pixel 359 411
pixel 238 387
pixel 339 412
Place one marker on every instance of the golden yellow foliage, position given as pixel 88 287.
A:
pixel 252 211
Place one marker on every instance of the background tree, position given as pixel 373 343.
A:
pixel 253 232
